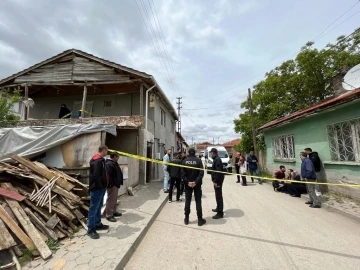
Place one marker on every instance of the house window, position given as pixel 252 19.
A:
pixel 283 147
pixel 163 118
pixel 173 127
pixel 108 104
pixel 344 140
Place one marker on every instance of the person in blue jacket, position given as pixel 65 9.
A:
pixel 253 166
pixel 308 173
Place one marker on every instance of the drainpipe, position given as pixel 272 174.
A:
pixel 146 122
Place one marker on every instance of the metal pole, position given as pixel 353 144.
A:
pixel 252 122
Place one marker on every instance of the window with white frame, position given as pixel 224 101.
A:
pixel 163 118
pixel 283 147
pixel 344 140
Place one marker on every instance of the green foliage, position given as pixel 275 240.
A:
pixel 53 244
pixel 28 255
pixel 7 101
pixel 296 84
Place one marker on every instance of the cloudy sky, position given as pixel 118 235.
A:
pixel 208 52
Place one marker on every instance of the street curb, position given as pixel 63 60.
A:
pixel 334 209
pixel 132 247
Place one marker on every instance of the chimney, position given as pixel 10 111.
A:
pixel 337 81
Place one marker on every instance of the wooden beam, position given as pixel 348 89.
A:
pixel 43 172
pixel 29 244
pixel 83 104
pixel 29 228
pixel 26 98
pixel 52 222
pixel 6 240
pixel 11 194
pixel 41 225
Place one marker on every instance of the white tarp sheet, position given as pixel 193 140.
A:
pixel 30 141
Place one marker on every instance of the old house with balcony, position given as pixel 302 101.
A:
pixel 97 91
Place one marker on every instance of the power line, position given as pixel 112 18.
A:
pixel 162 38
pixel 152 36
pixel 340 41
pixel 318 36
pixel 340 24
pixel 216 107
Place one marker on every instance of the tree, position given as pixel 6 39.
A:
pixel 7 101
pixel 296 84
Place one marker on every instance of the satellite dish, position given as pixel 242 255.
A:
pixel 351 80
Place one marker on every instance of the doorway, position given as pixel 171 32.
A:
pixel 148 163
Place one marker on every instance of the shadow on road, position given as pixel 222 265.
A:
pixel 236 213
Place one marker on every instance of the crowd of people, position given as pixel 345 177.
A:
pixel 186 172
pixel 290 181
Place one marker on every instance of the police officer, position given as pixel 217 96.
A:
pixel 218 179
pixel 193 180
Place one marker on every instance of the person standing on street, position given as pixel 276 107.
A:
pixel 97 188
pixel 203 160
pixel 243 169
pixel 166 158
pixel 114 179
pixel 217 178
pixel 309 175
pixel 175 177
pixel 253 166
pixel 314 157
pixel 193 180
pixel 237 166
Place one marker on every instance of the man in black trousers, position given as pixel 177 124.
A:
pixel 193 180
pixel 218 179
pixel 175 177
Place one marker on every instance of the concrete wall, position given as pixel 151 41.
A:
pixel 75 153
pixel 165 137
pixel 122 105
pixel 312 132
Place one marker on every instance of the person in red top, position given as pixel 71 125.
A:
pixel 97 188
pixel 277 185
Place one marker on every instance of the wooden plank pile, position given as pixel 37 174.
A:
pixel 38 204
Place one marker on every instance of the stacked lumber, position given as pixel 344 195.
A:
pixel 38 204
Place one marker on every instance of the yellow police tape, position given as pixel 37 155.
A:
pixel 226 173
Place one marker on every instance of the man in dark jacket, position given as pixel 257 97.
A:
pixel 193 180
pixel 97 188
pixel 64 112
pixel 314 157
pixel 175 177
pixel 253 166
pixel 114 179
pixel 237 166
pixel 309 175
pixel 218 179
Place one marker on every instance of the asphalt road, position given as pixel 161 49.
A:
pixel 261 230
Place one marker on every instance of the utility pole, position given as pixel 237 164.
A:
pixel 192 138
pixel 252 121
pixel 179 107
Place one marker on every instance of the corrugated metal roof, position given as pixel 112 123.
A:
pixel 323 105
